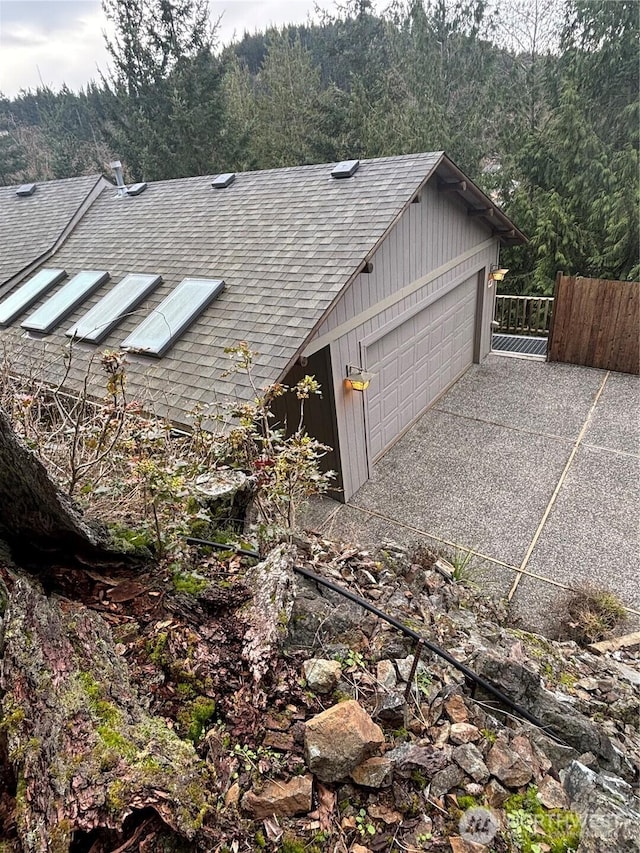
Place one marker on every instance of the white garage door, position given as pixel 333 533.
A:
pixel 416 361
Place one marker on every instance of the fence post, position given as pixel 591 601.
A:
pixel 556 287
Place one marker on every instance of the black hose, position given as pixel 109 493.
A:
pixel 220 546
pixel 487 686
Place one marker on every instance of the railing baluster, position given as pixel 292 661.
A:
pixel 523 315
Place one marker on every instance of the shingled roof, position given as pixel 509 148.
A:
pixel 285 241
pixel 30 227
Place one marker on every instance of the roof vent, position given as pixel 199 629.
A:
pixel 136 189
pixel 117 171
pixel 26 190
pixel 222 181
pixel 346 169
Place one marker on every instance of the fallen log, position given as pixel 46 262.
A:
pixel 34 513
pixel 84 752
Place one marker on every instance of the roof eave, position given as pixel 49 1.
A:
pixel 476 200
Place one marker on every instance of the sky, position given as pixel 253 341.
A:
pixel 52 42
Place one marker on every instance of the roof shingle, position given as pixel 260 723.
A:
pixel 30 226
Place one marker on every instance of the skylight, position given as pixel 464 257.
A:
pixel 25 296
pixel 106 314
pixel 159 331
pixel 346 169
pixel 45 318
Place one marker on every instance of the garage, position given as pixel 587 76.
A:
pixel 416 360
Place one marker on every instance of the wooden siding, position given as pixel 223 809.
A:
pixel 319 412
pixel 429 234
pixel 596 323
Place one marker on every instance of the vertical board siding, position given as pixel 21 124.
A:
pixel 428 235
pixel 596 323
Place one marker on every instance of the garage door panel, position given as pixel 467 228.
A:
pixel 416 361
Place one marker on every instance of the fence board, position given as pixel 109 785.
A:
pixel 596 323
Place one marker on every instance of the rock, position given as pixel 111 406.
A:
pixel 551 794
pixel 589 760
pixel 376 772
pixel 339 739
pixel 279 740
pixel 397 755
pixel 425 760
pixel 456 709
pixel 519 683
pixel 386 674
pixel 437 707
pixel 392 710
pixel 451 777
pixel 554 710
pixel 360 848
pixel 283 799
pixel 232 797
pixel 626 673
pixel 608 811
pixel 523 747
pixel 381 812
pixel 507 766
pixel 321 675
pixel 474 789
pixel 469 758
pixel 441 734
pixel 463 733
pixel 558 754
pixel 317 616
pixel 405 665
pixel 461 845
pixel 496 795
pixel 589 684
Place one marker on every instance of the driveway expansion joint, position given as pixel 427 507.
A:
pixel 565 439
pixel 557 489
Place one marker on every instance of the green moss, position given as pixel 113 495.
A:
pixel 60 836
pixel 104 710
pixel 139 543
pixel 195 716
pixel 11 721
pixel 116 796
pixel 185 691
pixel 292 845
pixel 189 583
pixel 531 825
pixel 466 802
pixel 156 649
pixel 567 679
pixel 113 740
pixel 419 778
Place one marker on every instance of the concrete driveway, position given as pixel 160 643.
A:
pixel 535 467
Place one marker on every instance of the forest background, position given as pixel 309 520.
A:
pixel 536 100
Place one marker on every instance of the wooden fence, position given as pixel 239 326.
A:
pixel 523 315
pixel 596 323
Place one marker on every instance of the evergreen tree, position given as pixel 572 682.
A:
pixel 163 98
pixel 12 157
